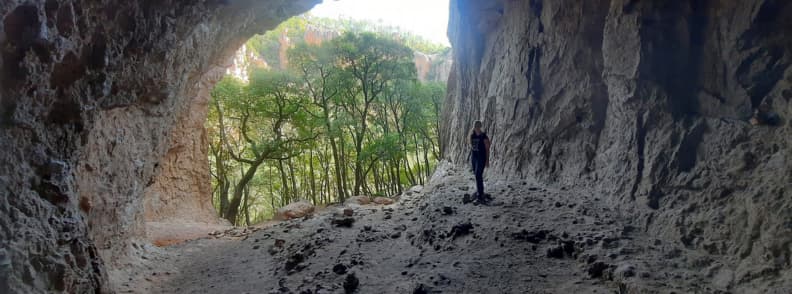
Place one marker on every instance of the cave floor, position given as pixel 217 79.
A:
pixel 528 239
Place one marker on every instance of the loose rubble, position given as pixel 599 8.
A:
pixel 430 242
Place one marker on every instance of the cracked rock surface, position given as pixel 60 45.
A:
pixel 90 92
pixel 645 103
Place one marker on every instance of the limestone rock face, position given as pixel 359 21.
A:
pixel 646 102
pixel 181 191
pixel 90 92
pixel 433 67
pixel 315 35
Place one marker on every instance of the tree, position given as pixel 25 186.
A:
pixel 322 82
pixel 263 112
pixel 371 63
pixel 347 117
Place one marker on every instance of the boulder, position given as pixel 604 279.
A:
pixel 294 210
pixel 383 200
pixel 414 190
pixel 359 200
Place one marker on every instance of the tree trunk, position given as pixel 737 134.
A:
pixel 426 160
pixel 418 159
pixel 410 175
pixel 233 207
pixel 285 195
pixel 246 205
pixel 338 170
pixel 311 176
pixel 271 192
pixel 341 164
pixel 294 190
pixel 327 178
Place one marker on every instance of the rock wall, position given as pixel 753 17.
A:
pixel 433 67
pixel 646 102
pixel 91 91
pixel 181 191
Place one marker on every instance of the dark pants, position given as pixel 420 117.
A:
pixel 478 163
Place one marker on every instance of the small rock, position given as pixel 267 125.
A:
pixel 351 283
pixel 294 262
pixel 348 211
pixel 339 269
pixel 460 230
pixel 555 251
pixel 343 222
pixel 596 269
pixel 448 210
pixel 421 289
pixel 531 236
pixel 624 271
pixel 396 235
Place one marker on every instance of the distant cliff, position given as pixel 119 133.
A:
pixel 429 66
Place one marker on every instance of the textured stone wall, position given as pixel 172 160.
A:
pixel 89 94
pixel 181 191
pixel 645 102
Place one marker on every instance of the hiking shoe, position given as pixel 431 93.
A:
pixel 482 199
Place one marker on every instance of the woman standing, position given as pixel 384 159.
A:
pixel 479 156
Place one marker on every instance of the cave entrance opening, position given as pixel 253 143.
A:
pixel 282 122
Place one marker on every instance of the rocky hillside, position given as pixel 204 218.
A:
pixel 648 102
pixel 433 67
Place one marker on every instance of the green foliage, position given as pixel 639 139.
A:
pixel 348 116
pixel 384 148
pixel 267 45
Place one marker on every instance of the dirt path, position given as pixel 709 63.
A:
pixel 529 239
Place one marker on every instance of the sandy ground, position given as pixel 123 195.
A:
pixel 166 234
pixel 527 239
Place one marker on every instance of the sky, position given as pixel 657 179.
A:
pixel 427 18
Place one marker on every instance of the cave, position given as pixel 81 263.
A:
pixel 643 108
